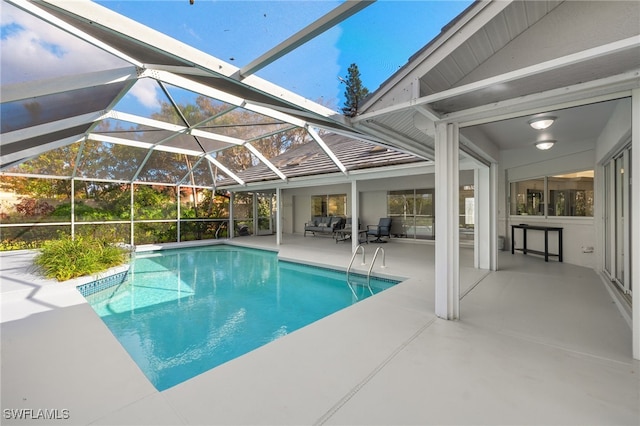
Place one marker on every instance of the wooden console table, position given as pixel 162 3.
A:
pixel 546 230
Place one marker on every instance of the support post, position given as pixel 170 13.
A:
pixel 231 221
pixel 355 211
pixel 493 211
pixel 447 259
pixel 634 222
pixel 278 216
pixel 486 225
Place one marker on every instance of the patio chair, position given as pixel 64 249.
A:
pixel 382 229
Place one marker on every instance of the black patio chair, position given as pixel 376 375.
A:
pixel 382 229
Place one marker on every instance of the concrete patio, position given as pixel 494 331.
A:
pixel 537 343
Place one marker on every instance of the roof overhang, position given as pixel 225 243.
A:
pixel 509 58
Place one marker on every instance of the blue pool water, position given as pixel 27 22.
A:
pixel 182 312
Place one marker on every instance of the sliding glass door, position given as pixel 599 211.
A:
pixel 617 204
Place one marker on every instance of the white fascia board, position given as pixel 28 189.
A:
pixel 266 161
pixel 331 19
pixel 474 19
pixel 20 91
pixel 37 150
pixel 327 150
pixel 602 90
pixel 46 16
pixel 142 145
pixel 571 59
pixel 224 169
pixel 52 127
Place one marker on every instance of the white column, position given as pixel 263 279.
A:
pixel 447 262
pixel 278 216
pixel 493 210
pixel 486 238
pixel 179 211
pixel 231 221
pixel 481 241
pixel 635 221
pixel 355 214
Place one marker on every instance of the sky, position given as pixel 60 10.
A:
pixel 379 39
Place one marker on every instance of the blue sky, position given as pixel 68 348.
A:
pixel 379 39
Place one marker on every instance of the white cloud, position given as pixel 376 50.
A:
pixel 146 92
pixel 33 50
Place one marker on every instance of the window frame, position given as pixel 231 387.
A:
pixel 545 204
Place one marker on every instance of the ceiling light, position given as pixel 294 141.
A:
pixel 541 123
pixel 544 145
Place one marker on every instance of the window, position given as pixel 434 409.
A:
pixel 527 197
pixel 569 194
pixel 329 205
pixel 412 213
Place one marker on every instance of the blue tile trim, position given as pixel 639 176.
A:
pixel 102 283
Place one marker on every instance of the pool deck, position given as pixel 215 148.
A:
pixel 537 343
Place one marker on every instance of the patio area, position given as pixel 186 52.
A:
pixel 537 343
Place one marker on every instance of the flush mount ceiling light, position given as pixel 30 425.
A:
pixel 541 123
pixel 546 144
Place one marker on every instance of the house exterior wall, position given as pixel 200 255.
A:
pixel 578 233
pixel 372 198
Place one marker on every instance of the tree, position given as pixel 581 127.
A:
pixel 354 93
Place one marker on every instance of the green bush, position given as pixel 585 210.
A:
pixel 67 258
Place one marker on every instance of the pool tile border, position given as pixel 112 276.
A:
pixel 102 283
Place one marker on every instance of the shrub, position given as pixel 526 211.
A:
pixel 32 207
pixel 67 258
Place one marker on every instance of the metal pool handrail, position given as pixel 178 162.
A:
pixel 355 253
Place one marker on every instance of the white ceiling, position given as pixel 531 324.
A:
pixel 577 125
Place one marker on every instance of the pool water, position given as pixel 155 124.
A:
pixel 182 312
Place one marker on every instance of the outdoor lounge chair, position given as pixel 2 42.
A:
pixel 382 229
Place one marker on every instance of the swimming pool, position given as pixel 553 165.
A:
pixel 182 312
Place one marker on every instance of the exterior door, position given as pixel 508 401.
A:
pixel 617 220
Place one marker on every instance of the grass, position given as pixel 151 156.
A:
pixel 67 258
